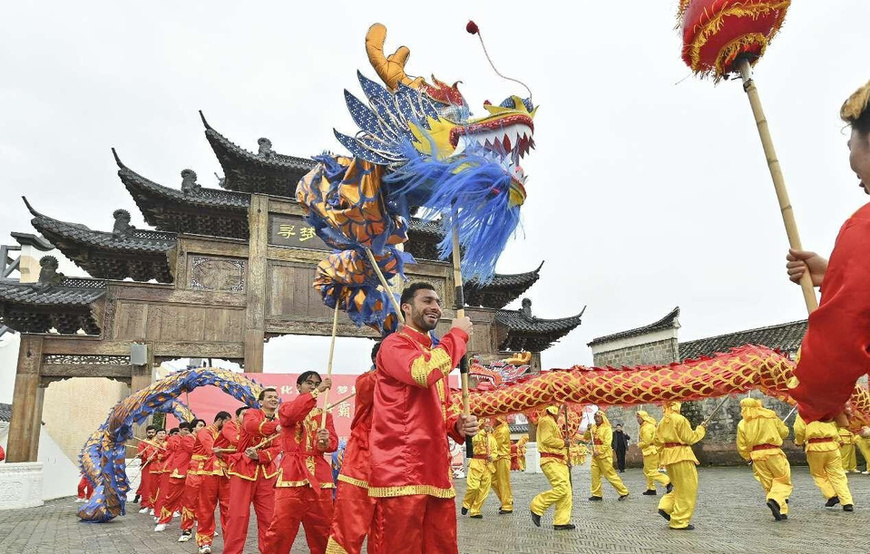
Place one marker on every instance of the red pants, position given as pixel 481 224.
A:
pixel 242 493
pixel 159 490
pixel 84 488
pixel 419 523
pixel 144 490
pixel 295 505
pixel 190 500
pixel 355 517
pixel 172 502
pixel 212 489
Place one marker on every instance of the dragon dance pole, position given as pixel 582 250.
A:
pixel 785 208
pixel 342 401
pixel 386 285
pixel 459 304
pixel 329 364
pixel 568 448
pixel 791 413
pixel 715 411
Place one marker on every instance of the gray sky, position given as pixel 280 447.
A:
pixel 647 190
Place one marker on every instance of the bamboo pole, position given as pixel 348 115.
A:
pixel 342 401
pixel 785 208
pixel 568 449
pixel 386 285
pixel 329 364
pixel 460 313
pixel 714 412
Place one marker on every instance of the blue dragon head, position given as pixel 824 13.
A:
pixel 442 158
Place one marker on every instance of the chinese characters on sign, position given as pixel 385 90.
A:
pixel 292 230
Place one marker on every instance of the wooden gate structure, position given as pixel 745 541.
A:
pixel 225 270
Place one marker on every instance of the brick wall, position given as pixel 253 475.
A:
pixel 658 352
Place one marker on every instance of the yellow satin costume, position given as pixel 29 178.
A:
pixel 820 442
pixel 480 472
pixel 601 437
pixel 555 467
pixel 674 439
pixel 650 453
pixel 501 482
pixel 759 438
pixel 847 450
pixel 863 444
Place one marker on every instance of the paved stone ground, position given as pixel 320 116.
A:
pixel 731 517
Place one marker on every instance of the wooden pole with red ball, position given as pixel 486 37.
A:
pixel 726 37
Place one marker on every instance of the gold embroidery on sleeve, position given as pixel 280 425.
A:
pixel 438 360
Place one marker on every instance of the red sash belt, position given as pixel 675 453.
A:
pixel 822 439
pixel 764 447
pixel 551 455
pixel 674 444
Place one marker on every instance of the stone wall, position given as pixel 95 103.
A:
pixel 652 353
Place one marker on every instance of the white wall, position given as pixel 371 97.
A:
pixel 60 476
pixel 9 344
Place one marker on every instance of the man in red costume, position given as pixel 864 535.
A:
pixel 214 484
pixel 192 483
pixel 180 450
pixel 411 420
pixel 252 474
pixel 354 509
pixel 304 486
pixel 834 353
pixel 144 473
pixel 159 474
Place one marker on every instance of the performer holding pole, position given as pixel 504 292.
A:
pixel 459 301
pixel 554 463
pixel 674 438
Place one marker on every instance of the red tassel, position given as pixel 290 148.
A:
pixel 471 27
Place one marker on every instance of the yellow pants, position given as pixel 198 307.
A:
pixel 522 461
pixel 680 502
pixel 501 483
pixel 651 471
pixel 864 447
pixel 774 474
pixel 560 494
pixel 827 471
pixel 478 481
pixel 847 455
pixel 603 466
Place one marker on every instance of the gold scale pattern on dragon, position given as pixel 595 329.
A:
pixel 738 371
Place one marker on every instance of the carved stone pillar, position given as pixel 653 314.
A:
pixel 24 428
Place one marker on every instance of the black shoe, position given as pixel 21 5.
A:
pixel 688 527
pixel 774 508
pixel 623 497
pixel 478 516
pixel 136 500
pixel 595 498
pixel 784 517
pixel 536 519
pixel 464 511
pixel 650 492
pixel 665 515
pixel 833 501
pixel 502 511
pixel 622 471
pixel 848 508
pixel 669 488
pixel 566 527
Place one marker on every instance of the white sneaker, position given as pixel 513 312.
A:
pixel 151 511
pixel 160 527
pixel 865 473
pixel 185 536
pixel 79 500
pixel 143 511
pixel 176 514
pixel 205 549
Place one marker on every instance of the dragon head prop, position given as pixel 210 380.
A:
pixel 439 157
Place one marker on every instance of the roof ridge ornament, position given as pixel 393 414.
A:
pixel 122 227
pixel 49 276
pixel 188 181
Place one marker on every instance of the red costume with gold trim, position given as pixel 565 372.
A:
pixel 834 353
pixel 144 451
pixel 214 486
pixel 304 486
pixel 354 509
pixel 160 477
pixel 251 481
pixel 410 458
pixel 180 450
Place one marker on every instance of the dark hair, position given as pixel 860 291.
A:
pixel 305 375
pixel 194 422
pixel 184 425
pixel 375 349
pixel 241 409
pixel 173 431
pixel 263 392
pixel 411 290
pixel 151 428
pixel 161 429
pixel 222 415
pixel 862 124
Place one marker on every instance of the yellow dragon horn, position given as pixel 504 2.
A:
pixel 391 69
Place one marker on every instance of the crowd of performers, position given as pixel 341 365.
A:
pixel 396 468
